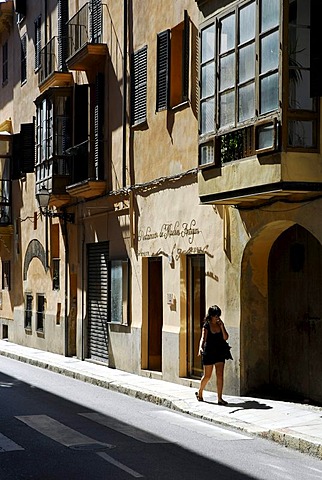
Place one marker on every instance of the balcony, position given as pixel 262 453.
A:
pixel 247 168
pixel 86 50
pixel 6 15
pixel 51 72
pixel 84 182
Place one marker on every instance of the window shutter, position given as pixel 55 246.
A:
pixel 62 34
pixel 185 57
pixel 23 58
pixel 27 146
pixel 98 126
pixel 139 86
pixel 96 21
pixel 37 42
pixel 316 53
pixel 163 65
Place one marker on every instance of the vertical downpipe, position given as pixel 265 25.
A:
pixel 124 116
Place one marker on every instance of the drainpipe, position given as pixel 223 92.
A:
pixel 65 235
pixel 124 116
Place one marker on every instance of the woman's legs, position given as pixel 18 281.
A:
pixel 220 379
pixel 207 371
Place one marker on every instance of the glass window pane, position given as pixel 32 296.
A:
pixel 208 43
pixel 208 116
pixel 269 52
pixel 207 153
pixel 227 71
pixel 299 90
pixel 116 291
pixel 299 12
pixel 246 63
pixel 299 47
pixel 270 13
pixel 269 93
pixel 247 22
pixel 246 104
pixel 300 134
pixel 265 136
pixel 208 80
pixel 227 109
pixel 227 33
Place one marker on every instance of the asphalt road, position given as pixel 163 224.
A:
pixel 55 428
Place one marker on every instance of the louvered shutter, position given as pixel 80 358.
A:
pixel 97 300
pixel 163 65
pixel 62 34
pixel 139 86
pixel 96 21
pixel 98 127
pixel 185 57
pixel 37 42
pixel 23 58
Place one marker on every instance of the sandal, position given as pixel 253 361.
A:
pixel 222 402
pixel 199 398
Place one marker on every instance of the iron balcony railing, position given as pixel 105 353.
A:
pixel 52 58
pixel 86 26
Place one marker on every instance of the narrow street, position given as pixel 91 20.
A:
pixel 57 428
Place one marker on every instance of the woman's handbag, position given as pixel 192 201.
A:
pixel 227 351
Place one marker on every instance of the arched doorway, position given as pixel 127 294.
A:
pixel 295 315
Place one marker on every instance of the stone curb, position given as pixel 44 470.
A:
pixel 283 438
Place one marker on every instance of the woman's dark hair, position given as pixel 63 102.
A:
pixel 213 312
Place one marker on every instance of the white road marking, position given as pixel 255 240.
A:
pixel 7 445
pixel 59 432
pixel 124 428
pixel 197 426
pixel 111 460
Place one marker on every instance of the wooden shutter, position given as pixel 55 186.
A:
pixel 163 54
pixel 23 151
pixel 98 127
pixel 96 21
pixel 23 58
pixel 186 57
pixel 62 34
pixel 37 42
pixel 180 55
pixel 139 86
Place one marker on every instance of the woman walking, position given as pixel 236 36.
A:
pixel 214 349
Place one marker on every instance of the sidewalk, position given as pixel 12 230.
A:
pixel 293 425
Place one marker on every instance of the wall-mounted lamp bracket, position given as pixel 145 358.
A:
pixel 43 197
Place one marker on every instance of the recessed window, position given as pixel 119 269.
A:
pixel 23 59
pixel 6 275
pixel 40 312
pixel 28 311
pixel 5 63
pixel 119 291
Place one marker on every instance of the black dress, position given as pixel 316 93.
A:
pixel 216 349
